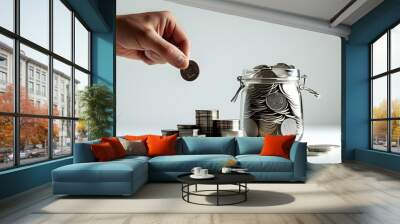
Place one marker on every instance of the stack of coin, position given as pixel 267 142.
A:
pixel 188 130
pixel 168 132
pixel 226 127
pixel 205 121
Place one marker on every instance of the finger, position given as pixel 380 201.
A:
pixel 146 59
pixel 182 41
pixel 127 53
pixel 154 57
pixel 166 50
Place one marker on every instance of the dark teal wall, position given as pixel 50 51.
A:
pixel 103 53
pixel 24 178
pixel 355 127
pixel 99 16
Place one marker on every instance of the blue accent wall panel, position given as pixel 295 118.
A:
pixel 24 178
pixel 355 125
pixel 376 158
pixel 357 99
pixel 103 53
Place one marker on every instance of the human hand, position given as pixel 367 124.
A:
pixel 154 38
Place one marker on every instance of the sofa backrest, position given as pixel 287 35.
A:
pixel 249 145
pixel 206 145
pixel 83 152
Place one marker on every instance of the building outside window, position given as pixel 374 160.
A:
pixel 56 129
pixel 385 91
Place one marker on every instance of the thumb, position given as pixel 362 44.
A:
pixel 166 50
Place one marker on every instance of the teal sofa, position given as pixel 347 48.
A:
pixel 125 176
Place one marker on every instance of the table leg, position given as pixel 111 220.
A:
pixel 245 193
pixel 195 188
pixel 217 194
pixel 188 190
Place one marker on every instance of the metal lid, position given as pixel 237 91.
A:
pixel 278 72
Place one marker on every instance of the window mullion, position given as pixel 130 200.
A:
pixel 73 81
pixel 389 104
pixel 50 81
pixel 16 70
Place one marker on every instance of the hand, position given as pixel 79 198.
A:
pixel 153 37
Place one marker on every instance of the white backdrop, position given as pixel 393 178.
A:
pixel 150 98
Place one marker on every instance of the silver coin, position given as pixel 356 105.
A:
pixel 277 101
pixel 289 127
pixel 191 72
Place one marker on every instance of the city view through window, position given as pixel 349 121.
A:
pixel 385 92
pixel 39 113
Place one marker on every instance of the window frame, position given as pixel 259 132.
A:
pixel 16 114
pixel 388 74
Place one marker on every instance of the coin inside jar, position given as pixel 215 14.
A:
pixel 191 72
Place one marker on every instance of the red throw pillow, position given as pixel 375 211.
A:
pixel 161 145
pixel 277 145
pixel 103 152
pixel 116 145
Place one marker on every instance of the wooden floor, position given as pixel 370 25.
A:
pixel 377 188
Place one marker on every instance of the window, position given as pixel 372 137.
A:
pixel 3 78
pixel 30 87
pixel 37 90
pixel 385 94
pixel 3 61
pixel 6 73
pixel 44 91
pixel 3 71
pixel 7 14
pixel 81 45
pixel 30 72
pixel 48 79
pixel 34 21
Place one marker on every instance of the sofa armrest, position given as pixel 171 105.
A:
pixel 298 155
pixel 83 152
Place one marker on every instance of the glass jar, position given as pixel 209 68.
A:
pixel 271 100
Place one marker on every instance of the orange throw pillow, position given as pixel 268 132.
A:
pixel 161 145
pixel 277 145
pixel 116 145
pixel 103 152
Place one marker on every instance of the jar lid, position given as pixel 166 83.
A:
pixel 278 72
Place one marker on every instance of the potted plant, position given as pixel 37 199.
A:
pixel 96 102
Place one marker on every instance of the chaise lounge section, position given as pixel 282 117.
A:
pixel 125 176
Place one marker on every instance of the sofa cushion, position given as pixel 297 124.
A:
pixel 277 145
pixel 161 145
pixel 257 163
pixel 209 145
pixel 111 171
pixel 185 163
pixel 116 145
pixel 249 145
pixel 103 152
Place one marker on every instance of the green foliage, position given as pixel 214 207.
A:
pixel 96 102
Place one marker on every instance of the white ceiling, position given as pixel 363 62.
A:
pixel 314 15
pixel 320 9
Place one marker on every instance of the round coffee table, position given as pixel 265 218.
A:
pixel 238 179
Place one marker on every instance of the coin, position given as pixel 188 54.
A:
pixel 191 72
